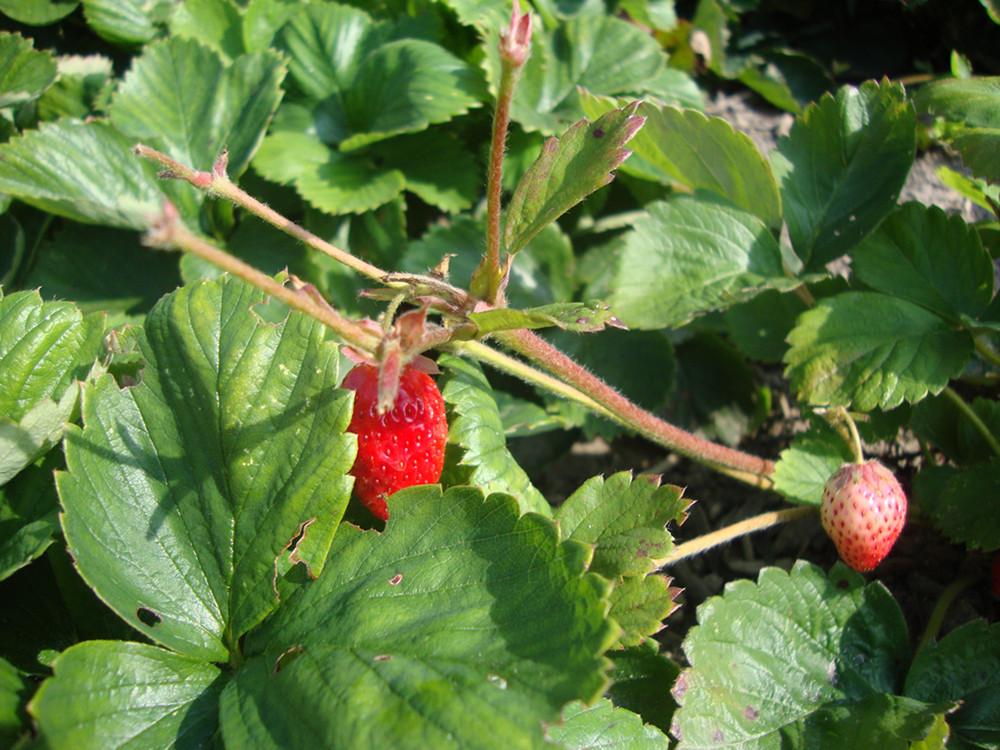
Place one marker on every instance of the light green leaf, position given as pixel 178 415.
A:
pixel 807 464
pixel 871 350
pixel 972 101
pixel 691 255
pixel 640 605
pixel 921 254
pixel 117 694
pixel 37 12
pixel 602 725
pixel 44 347
pixel 768 657
pixel 975 190
pixel 29 515
pixel 582 317
pixel 82 88
pixel 461 623
pixel 129 22
pixel 34 434
pixel 215 23
pixel 963 666
pixel 12 689
pixel 475 428
pixel 705 153
pixel 583 52
pixel 368 86
pixel 842 166
pixel 625 519
pixel 184 492
pixel 85 171
pixel 979 150
pixel 181 97
pixel 569 169
pixel 24 72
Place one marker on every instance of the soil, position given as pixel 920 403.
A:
pixel 922 564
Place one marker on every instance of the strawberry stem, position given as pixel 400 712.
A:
pixel 734 531
pixel 936 620
pixel 974 419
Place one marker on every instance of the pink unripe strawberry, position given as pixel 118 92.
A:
pixel 863 511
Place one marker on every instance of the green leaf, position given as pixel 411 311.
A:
pixel 461 623
pixel 34 434
pixel 116 694
pixel 978 148
pixel 215 23
pixel 637 681
pixel 807 464
pixel 890 720
pixel 183 98
pixel 29 516
pixel 972 101
pixel 583 52
pixel 568 170
pixel 767 658
pixel 84 171
pixel 37 12
pixel 368 86
pixel 842 166
pixel 604 725
pixel 128 22
pixel 691 255
pixel 963 666
pixel 872 350
pixel 24 72
pixel 640 605
pixel 938 421
pixel 581 317
pixel 921 254
pixel 184 492
pixel 12 690
pixel 625 519
pixel 760 325
pixel 44 347
pixel 82 89
pixel 961 513
pixel 705 153
pixel 475 428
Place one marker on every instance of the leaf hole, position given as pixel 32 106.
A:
pixel 286 658
pixel 148 617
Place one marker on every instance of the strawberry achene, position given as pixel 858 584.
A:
pixel 863 510
pixel 403 446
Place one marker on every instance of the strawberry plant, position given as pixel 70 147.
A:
pixel 281 488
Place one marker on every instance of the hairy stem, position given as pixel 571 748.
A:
pixel 749 526
pixel 494 181
pixel 743 466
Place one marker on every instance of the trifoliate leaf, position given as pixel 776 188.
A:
pixel 841 168
pixel 964 666
pixel 461 623
pixel 183 98
pixel 24 72
pixel 117 694
pixel 184 492
pixel 605 726
pixel 872 350
pixel 625 519
pixel 921 254
pixel 568 170
pixel 475 428
pixel 777 660
pixel 691 255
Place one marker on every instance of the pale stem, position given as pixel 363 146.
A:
pixel 749 526
pixel 173 235
pixel 743 466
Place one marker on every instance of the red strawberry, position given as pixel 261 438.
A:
pixel 863 511
pixel 402 447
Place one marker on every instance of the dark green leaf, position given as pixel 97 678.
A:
pixel 24 72
pixel 461 623
pixel 29 515
pixel 625 519
pixel 183 98
pixel 603 725
pixel 979 149
pixel 921 254
pixel 938 421
pixel 767 658
pixel 184 492
pixel 760 325
pixel 568 170
pixel 475 427
pixel 842 166
pixel 691 255
pixel 872 350
pixel 638 679
pixel 115 694
pixel 973 101
pixel 962 512
pixel 12 690
pixel 890 720
pixel 963 666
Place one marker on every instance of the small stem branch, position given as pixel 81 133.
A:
pixel 856 448
pixel 743 466
pixel 941 606
pixel 974 419
pixel 217 182
pixel 169 233
pixel 984 351
pixel 749 526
